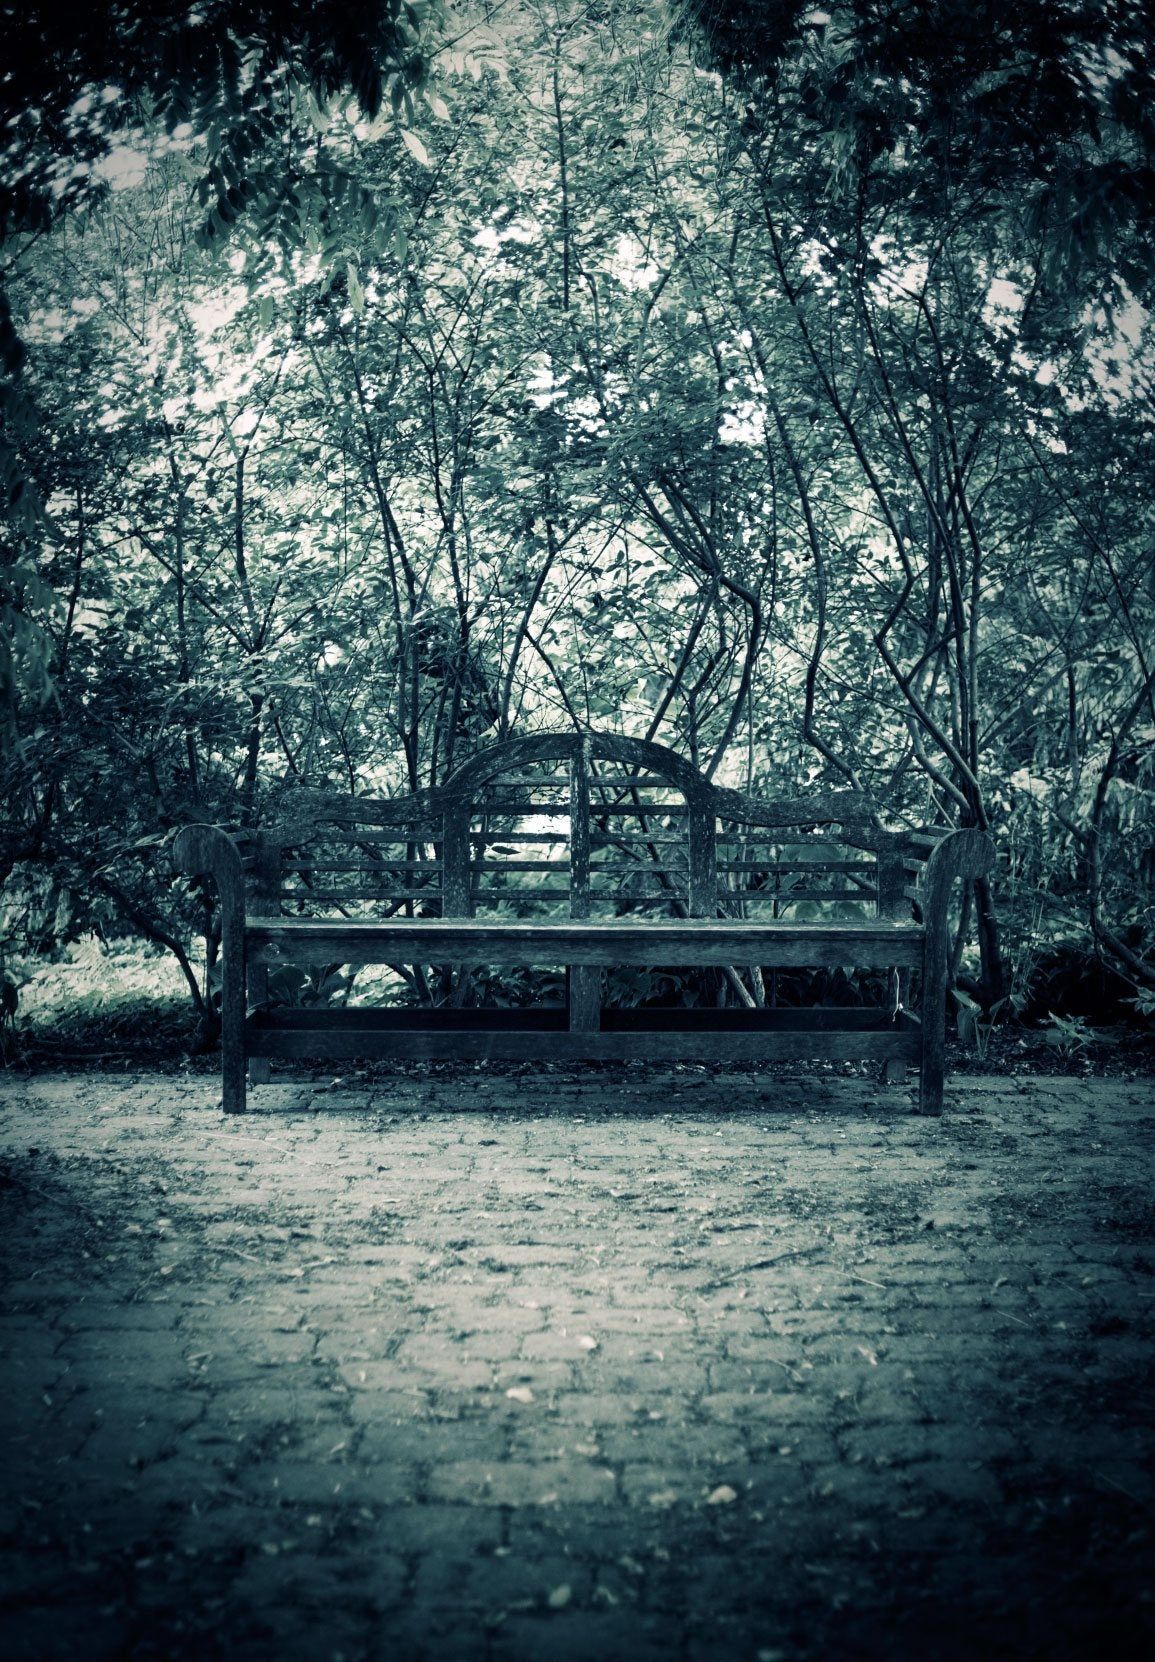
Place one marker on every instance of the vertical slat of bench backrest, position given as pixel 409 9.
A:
pixel 266 878
pixel 892 899
pixel 579 832
pixel 455 888
pixel 585 981
pixel 894 903
pixel 703 856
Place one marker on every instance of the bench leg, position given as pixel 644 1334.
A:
pixel 258 995
pixel 930 1088
pixel 233 1028
pixel 933 1028
pixel 967 855
pixel 232 1072
pixel 585 998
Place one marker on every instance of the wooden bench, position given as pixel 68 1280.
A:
pixel 591 852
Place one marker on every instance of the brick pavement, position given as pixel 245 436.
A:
pixel 622 1363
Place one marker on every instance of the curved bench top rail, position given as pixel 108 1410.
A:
pixel 306 810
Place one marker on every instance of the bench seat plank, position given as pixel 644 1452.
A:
pixel 690 941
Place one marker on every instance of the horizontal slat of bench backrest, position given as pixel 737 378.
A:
pixel 338 855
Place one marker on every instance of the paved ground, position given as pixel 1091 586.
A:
pixel 612 1364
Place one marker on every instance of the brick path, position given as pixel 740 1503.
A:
pixel 550 1365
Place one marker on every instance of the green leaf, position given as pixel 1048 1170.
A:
pixel 356 292
pixel 415 147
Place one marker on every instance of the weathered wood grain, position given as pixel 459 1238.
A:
pixel 263 888
pixel 583 981
pixel 385 868
pixel 552 1019
pixel 441 1044
pixel 601 941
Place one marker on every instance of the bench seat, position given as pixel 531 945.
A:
pixel 878 944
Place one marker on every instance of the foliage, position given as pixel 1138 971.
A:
pixel 1069 1034
pixel 228 72
pixel 96 999
pixel 254 88
pixel 790 415
pixel 976 1025
pixel 1046 108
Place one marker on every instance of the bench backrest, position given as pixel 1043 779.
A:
pixel 591 823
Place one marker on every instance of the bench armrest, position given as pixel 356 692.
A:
pixel 965 854
pixel 968 855
pixel 207 851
